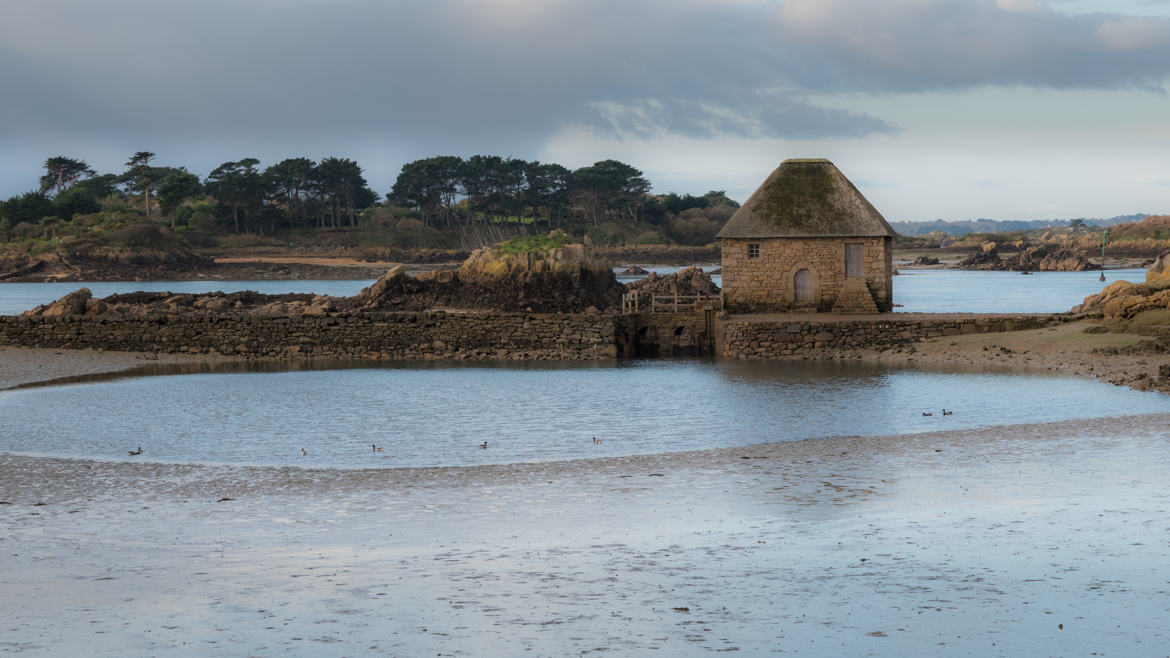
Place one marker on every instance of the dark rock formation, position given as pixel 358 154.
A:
pixel 1048 258
pixel 987 259
pixel 135 304
pixel 688 281
pixel 23 270
pixel 79 302
pixel 569 278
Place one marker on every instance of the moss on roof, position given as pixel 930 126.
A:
pixel 791 198
pixel 806 197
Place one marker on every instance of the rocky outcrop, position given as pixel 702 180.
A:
pixel 560 277
pixel 1048 258
pixel 985 259
pixel 1122 300
pixel 1160 270
pixel 79 302
pixel 688 281
pixel 136 304
pixel 1039 258
pixel 72 304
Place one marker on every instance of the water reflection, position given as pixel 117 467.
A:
pixel 437 413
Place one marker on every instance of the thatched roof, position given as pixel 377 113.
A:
pixel 805 198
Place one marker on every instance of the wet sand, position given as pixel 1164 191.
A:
pixel 986 542
pixel 1046 539
pixel 27 365
pixel 1064 349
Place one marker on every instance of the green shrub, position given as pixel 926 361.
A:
pixel 412 234
pixel 649 237
pixel 138 235
pixel 533 243
pixel 693 227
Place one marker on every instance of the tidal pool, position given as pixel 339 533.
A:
pixel 439 414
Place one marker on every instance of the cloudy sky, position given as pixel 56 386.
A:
pixel 953 109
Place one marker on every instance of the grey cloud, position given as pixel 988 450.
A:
pixel 904 46
pixel 462 75
pixel 455 69
pixel 762 115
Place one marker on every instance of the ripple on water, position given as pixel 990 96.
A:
pixel 438 414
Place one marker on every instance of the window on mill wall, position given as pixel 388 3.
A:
pixel 753 250
pixel 854 260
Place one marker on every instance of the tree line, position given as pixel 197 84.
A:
pixel 441 192
pixel 293 193
pixel 482 189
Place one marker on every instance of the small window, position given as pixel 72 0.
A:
pixel 754 250
pixel 854 261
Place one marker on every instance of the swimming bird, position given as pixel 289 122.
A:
pixel 925 413
pixel 948 413
pixel 135 452
pixel 303 453
pixel 377 449
pixel 596 441
pixel 483 445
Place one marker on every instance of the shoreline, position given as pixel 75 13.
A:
pixel 1065 349
pixel 22 366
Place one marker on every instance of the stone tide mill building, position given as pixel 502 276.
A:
pixel 807 240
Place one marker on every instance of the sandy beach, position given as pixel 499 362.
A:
pixel 1044 539
pixel 1065 349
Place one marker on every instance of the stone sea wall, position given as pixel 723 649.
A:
pixel 769 338
pixel 429 335
pixel 488 335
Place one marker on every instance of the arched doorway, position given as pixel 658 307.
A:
pixel 803 282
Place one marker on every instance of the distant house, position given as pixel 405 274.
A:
pixel 807 240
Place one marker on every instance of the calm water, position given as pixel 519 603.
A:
pixel 437 414
pixel 960 291
pixel 918 291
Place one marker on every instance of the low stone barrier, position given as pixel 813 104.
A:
pixel 430 335
pixel 770 338
pixel 493 335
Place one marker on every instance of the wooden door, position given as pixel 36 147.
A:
pixel 854 261
pixel 804 287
